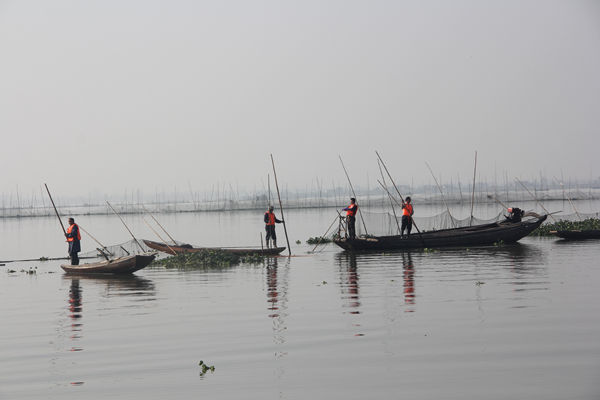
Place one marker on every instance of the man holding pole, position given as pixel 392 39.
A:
pixel 351 218
pixel 407 213
pixel 73 238
pixel 270 221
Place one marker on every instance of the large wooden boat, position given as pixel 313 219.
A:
pixel 121 265
pixel 242 251
pixel 578 234
pixel 477 235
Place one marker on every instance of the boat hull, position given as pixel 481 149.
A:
pixel 478 235
pixel 271 251
pixel 578 235
pixel 121 265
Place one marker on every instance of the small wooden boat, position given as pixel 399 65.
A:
pixel 578 234
pixel 477 235
pixel 121 265
pixel 242 251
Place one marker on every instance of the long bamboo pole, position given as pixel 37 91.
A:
pixel 536 200
pixel 161 227
pixel 442 193
pixel 325 234
pixel 56 211
pixel 126 227
pixel 280 206
pixel 396 187
pixel 390 197
pixel 95 240
pixel 160 237
pixel 354 194
pixel 473 192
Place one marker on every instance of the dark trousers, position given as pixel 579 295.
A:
pixel 74 248
pixel 74 258
pixel 406 224
pixel 351 226
pixel 270 232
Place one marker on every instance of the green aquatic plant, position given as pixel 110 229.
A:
pixel 298 242
pixel 318 239
pixel 44 258
pixel 205 368
pixel 206 259
pixel 562 225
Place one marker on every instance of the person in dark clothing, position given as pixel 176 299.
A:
pixel 407 213
pixel 73 238
pixel 351 211
pixel 270 221
pixel 514 214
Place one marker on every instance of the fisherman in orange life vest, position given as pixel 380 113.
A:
pixel 407 213
pixel 270 221
pixel 73 237
pixel 351 218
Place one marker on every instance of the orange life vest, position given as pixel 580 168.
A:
pixel 71 239
pixel 407 209
pixel 352 208
pixel 271 218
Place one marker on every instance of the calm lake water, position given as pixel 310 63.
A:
pixel 509 322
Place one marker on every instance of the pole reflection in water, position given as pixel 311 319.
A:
pixel 349 282
pixel 277 286
pixel 75 311
pixel 408 275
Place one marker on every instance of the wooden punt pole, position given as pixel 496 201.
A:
pixel 280 206
pixel 56 211
pixel 354 194
pixel 473 191
pixel 397 191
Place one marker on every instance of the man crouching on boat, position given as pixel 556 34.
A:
pixel 270 221
pixel 514 214
pixel 407 213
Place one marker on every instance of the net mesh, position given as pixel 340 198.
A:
pixel 119 250
pixel 385 223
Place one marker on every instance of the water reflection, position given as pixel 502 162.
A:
pixel 118 285
pixel 277 278
pixel 408 275
pixel 75 311
pixel 349 281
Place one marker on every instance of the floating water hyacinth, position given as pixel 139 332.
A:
pixel 562 225
pixel 209 258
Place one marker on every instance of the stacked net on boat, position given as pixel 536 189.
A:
pixel 385 223
pixel 120 250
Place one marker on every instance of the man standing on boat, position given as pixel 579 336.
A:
pixel 407 213
pixel 351 218
pixel 73 238
pixel 270 221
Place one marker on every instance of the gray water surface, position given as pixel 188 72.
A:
pixel 507 322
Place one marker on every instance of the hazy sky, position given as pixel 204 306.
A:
pixel 103 96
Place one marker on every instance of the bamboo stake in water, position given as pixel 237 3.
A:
pixel 473 192
pixel 569 198
pixel 280 206
pixel 126 227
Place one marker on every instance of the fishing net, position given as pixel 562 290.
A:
pixel 119 250
pixel 385 223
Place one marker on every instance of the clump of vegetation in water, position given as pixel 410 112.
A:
pixel 44 258
pixel 318 239
pixel 562 225
pixel 205 368
pixel 209 258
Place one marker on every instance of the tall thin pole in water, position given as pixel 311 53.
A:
pixel 473 192
pixel 280 206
